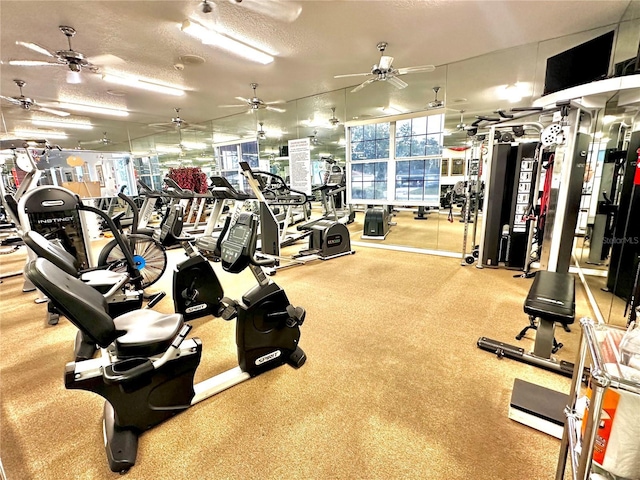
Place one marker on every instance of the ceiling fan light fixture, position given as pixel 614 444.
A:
pixel 142 84
pixel 53 123
pixel 73 77
pixel 94 109
pixel 232 45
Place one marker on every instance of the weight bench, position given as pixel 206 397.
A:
pixel 551 300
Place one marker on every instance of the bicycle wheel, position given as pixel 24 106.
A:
pixel 149 256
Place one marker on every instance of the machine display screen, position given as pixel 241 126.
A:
pixel 239 233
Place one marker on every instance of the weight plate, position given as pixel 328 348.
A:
pixel 549 134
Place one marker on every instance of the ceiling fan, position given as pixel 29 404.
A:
pixel 333 120
pixel 27 103
pixel 256 103
pixel 70 58
pixel 286 11
pixel 314 138
pixel 262 135
pixel 177 123
pixel 435 103
pixel 461 126
pixel 102 141
pixel 384 71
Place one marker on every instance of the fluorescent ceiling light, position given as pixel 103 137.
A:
pixel 93 109
pixel 210 37
pixel 195 145
pixel 142 84
pixel 168 149
pixel 391 109
pixel 52 123
pixel 36 134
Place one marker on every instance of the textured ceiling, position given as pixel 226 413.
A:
pixel 327 38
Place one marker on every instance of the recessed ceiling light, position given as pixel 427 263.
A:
pixel 116 93
pixel 191 59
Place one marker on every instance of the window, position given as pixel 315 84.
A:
pixel 250 153
pixel 230 156
pixel 370 142
pixel 419 137
pixel 397 162
pixel 418 180
pixel 369 180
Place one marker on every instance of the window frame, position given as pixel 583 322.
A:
pixel 392 160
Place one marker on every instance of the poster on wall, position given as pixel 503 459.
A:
pixel 300 164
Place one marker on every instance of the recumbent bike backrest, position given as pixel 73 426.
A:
pixel 83 305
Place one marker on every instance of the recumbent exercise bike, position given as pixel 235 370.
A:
pixel 147 366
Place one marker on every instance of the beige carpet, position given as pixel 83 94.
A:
pixel 394 386
pixel 434 233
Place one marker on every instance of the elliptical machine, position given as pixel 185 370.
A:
pixel 147 366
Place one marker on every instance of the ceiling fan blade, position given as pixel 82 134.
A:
pixel 285 11
pixel 232 106
pixel 53 111
pixel 396 82
pixel 242 99
pixel 422 68
pixel 352 75
pixel 34 63
pixel 36 48
pixel 275 109
pixel 275 102
pixel 385 62
pixel 363 84
pixel 15 101
pixel 106 60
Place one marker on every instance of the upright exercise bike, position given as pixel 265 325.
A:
pixel 147 366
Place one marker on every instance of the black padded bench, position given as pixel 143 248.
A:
pixel 551 299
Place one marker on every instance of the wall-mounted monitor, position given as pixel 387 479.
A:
pixel 579 65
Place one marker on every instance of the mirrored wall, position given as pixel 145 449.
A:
pixel 460 90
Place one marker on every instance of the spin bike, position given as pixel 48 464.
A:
pixel 147 367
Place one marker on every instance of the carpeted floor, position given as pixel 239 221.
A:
pixel 394 386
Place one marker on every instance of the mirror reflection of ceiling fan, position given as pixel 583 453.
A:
pixel 384 71
pixel 334 120
pixel 314 140
pixel 177 123
pixel 104 141
pixel 286 11
pixel 75 61
pixel 262 135
pixel 27 103
pixel 435 103
pixel 256 103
